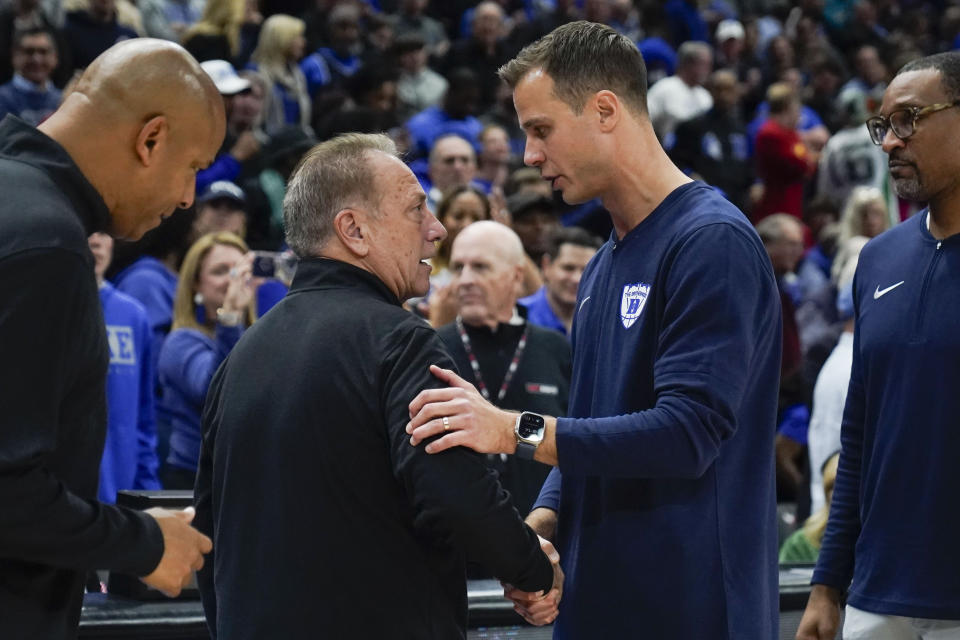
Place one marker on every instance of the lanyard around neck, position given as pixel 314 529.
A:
pixel 475 365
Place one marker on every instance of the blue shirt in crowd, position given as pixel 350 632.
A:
pixel 152 284
pixel 433 122
pixel 130 450
pixel 188 360
pixel 540 313
pixel 27 101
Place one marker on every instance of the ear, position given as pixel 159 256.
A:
pixel 350 228
pixel 152 137
pixel 518 273
pixel 608 109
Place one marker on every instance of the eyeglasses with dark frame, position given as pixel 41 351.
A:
pixel 902 121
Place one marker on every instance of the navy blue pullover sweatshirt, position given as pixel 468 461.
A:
pixel 667 511
pixel 894 502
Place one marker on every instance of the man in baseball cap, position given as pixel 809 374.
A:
pixel 221 207
pixel 225 77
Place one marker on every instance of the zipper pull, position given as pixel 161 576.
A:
pixel 939 242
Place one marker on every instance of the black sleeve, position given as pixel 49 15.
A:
pixel 455 497
pixel 203 497
pixel 48 300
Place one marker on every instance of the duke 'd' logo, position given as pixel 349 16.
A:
pixel 632 303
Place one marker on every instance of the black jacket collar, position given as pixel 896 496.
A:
pixel 22 143
pixel 327 273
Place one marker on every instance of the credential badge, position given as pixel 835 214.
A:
pixel 632 303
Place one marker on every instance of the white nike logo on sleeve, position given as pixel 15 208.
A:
pixel 879 292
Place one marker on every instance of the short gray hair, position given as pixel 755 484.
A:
pixel 772 229
pixel 691 50
pixel 332 176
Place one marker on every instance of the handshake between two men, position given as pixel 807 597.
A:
pixel 458 415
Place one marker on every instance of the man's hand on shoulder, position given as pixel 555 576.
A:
pixel 183 549
pixel 538 608
pixel 460 410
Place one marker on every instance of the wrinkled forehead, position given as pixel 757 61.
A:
pixel 913 89
pixel 394 182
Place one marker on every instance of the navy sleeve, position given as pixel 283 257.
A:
pixel 835 562
pixel 44 294
pixel 455 497
pixel 549 497
pixel 719 295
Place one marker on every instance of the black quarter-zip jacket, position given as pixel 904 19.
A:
pixel 53 367
pixel 326 522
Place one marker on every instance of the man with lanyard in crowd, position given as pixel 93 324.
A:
pixel 665 515
pixel 513 363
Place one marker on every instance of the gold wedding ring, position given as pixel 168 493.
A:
pixel 446 423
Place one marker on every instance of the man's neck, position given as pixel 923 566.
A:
pixel 945 217
pixel 493 321
pixel 643 180
pixel 688 80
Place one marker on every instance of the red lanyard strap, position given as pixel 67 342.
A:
pixel 475 365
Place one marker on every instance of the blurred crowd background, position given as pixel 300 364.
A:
pixel 764 100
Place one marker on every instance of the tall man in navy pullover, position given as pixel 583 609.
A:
pixel 665 511
pixel 891 541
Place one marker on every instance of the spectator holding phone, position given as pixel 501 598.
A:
pixel 213 303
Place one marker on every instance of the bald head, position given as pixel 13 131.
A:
pixel 143 76
pixel 487 265
pixel 494 238
pixel 140 122
pixel 452 163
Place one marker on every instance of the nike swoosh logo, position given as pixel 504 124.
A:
pixel 880 292
pixel 583 303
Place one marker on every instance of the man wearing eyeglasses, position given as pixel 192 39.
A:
pixel 890 542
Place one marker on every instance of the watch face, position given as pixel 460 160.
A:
pixel 530 427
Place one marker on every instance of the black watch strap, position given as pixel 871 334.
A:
pixel 525 450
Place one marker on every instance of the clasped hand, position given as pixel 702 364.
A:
pixel 538 608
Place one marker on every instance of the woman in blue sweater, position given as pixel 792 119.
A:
pixel 214 301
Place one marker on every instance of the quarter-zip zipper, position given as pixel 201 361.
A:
pixel 922 311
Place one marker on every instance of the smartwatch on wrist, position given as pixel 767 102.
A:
pixel 529 431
